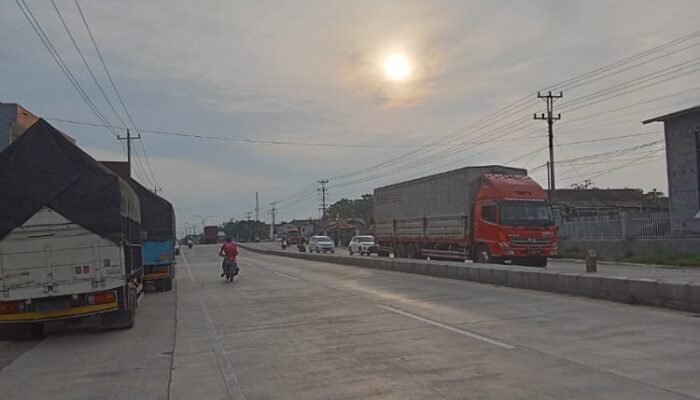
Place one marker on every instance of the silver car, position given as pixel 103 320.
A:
pixel 321 244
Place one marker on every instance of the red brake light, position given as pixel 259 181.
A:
pixel 101 298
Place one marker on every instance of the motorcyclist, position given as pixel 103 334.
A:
pixel 229 251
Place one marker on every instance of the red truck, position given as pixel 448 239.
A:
pixel 211 234
pixel 489 214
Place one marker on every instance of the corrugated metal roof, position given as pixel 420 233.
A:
pixel 672 115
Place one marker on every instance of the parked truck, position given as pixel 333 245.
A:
pixel 489 214
pixel 158 238
pixel 158 246
pixel 211 234
pixel 69 236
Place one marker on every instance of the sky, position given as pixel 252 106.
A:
pixel 312 72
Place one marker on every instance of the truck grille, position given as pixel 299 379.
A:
pixel 530 241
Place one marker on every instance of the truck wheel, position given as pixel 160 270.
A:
pixel 166 285
pixel 481 255
pixel 538 262
pixel 120 319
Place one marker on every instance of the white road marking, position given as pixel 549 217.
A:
pixel 233 387
pixel 286 276
pixel 449 328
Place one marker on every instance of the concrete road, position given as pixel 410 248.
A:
pixel 570 266
pixel 294 329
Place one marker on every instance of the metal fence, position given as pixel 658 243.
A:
pixel 622 225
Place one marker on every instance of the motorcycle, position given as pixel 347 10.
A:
pixel 230 270
pixel 189 245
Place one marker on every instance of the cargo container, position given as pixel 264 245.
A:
pixel 157 230
pixel 211 234
pixel 69 235
pixel 489 214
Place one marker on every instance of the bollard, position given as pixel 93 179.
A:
pixel 591 261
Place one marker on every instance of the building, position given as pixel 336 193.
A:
pixel 590 202
pixel 14 120
pixel 682 134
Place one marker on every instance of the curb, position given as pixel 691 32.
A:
pixel 672 294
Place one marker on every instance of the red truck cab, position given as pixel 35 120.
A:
pixel 512 220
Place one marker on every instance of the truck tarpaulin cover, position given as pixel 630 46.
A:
pixel 44 169
pixel 157 214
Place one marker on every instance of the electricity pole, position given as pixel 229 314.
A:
pixel 323 192
pixel 272 225
pixel 128 139
pixel 549 98
pixel 257 207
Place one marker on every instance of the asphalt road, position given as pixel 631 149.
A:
pixel 294 329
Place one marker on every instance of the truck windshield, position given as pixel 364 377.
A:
pixel 526 213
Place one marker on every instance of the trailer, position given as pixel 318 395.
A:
pixel 158 238
pixel 487 214
pixel 211 234
pixel 69 235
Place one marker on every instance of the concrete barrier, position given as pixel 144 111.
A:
pixel 669 294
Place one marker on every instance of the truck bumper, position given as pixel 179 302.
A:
pixel 73 312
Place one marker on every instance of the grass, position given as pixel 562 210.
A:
pixel 679 260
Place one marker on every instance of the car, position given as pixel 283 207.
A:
pixel 362 244
pixel 321 244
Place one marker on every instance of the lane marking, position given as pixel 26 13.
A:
pixel 233 387
pixel 449 328
pixel 285 275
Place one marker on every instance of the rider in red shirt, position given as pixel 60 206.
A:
pixel 229 251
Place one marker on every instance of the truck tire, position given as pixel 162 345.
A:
pixel 481 255
pixel 166 285
pixel 120 319
pixel 540 262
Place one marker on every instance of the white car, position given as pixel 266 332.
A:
pixel 362 245
pixel 321 244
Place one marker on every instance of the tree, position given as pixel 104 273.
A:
pixel 585 185
pixel 245 230
pixel 362 208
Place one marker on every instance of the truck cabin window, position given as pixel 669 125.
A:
pixel 526 213
pixel 489 214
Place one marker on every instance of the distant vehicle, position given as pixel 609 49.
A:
pixel 321 244
pixel 292 236
pixel 490 214
pixel 362 245
pixel 176 247
pixel 72 247
pixel 211 234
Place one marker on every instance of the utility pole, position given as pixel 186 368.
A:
pixel 322 190
pixel 128 139
pixel 549 98
pixel 257 207
pixel 272 225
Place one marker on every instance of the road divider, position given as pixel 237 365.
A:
pixel 674 294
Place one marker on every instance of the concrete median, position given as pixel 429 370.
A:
pixel 681 295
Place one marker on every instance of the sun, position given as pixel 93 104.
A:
pixel 397 67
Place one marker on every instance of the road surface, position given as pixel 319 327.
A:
pixel 295 329
pixel 560 265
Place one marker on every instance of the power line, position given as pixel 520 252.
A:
pixel 116 91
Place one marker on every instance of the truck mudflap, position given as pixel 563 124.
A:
pixel 63 307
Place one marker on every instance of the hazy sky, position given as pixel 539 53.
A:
pixel 312 72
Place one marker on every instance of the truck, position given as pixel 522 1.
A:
pixel 69 236
pixel 211 234
pixel 489 214
pixel 158 247
pixel 158 238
